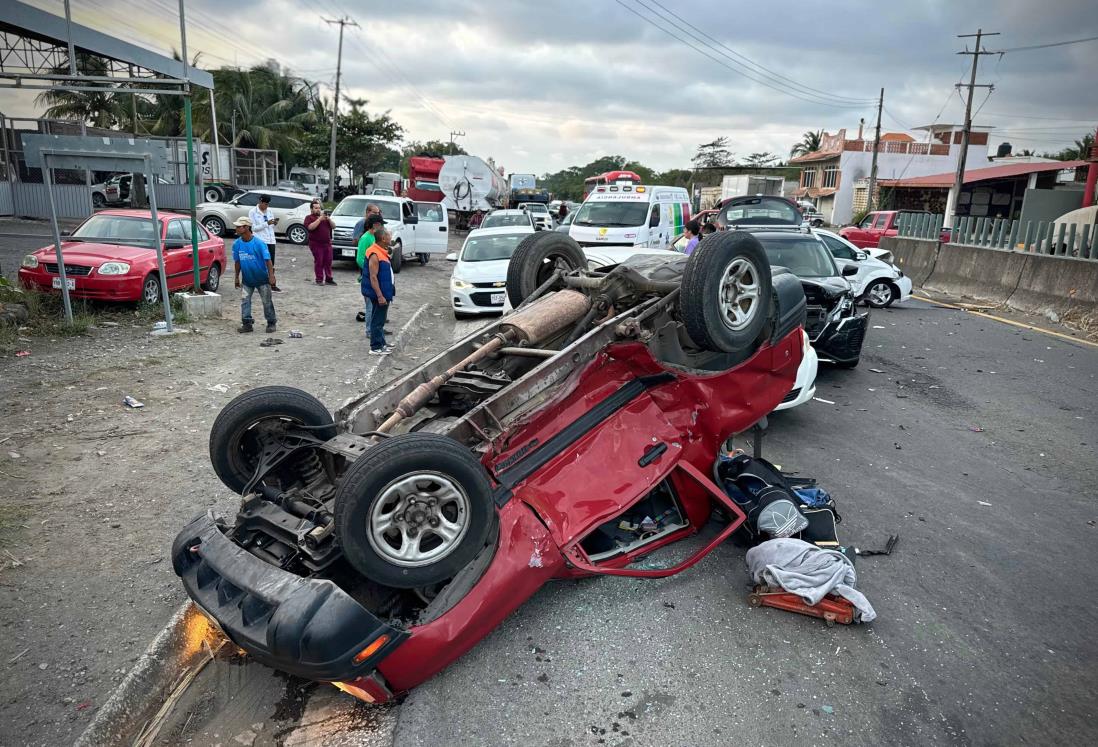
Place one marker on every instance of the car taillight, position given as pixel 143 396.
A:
pixel 370 650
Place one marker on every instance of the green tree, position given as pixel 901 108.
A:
pixel 713 154
pixel 101 107
pixel 810 142
pixel 1078 151
pixel 765 158
pixel 365 142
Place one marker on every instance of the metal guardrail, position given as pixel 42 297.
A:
pixel 1040 237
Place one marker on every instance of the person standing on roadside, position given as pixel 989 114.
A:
pixel 263 226
pixel 252 261
pixel 360 227
pixel 562 212
pixel 373 224
pixel 320 227
pixel 378 291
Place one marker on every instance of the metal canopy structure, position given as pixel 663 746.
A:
pixel 35 46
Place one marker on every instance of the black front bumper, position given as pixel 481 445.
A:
pixel 305 626
pixel 841 341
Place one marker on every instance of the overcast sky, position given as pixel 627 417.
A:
pixel 542 86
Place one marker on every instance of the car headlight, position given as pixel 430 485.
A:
pixel 30 261
pixel 459 283
pixel 114 268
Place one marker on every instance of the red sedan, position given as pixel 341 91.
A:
pixel 112 257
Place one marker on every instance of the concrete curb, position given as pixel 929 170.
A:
pixel 175 649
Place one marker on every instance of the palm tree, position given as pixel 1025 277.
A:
pixel 810 142
pixel 98 108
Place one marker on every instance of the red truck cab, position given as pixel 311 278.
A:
pixel 423 179
pixel 878 224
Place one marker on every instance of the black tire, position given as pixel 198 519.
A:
pixel 98 200
pixel 235 442
pixel 213 194
pixel 702 305
pixel 423 258
pixel 365 491
pixel 817 223
pixel 876 302
pixel 297 234
pixel 150 289
pixel 214 225
pixel 213 278
pixel 536 258
pixel 849 364
pixel 396 261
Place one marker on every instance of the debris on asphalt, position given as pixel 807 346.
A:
pixel 825 401
pixel 876 370
pixel 983 503
pixel 976 429
pixel 22 354
pixel 878 326
pixel 129 401
pixel 296 335
pixel 219 388
pixel 270 341
pixel 18 656
pixel 827 709
pixel 890 545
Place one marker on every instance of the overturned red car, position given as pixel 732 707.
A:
pixel 572 437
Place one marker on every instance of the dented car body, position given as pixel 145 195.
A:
pixel 588 424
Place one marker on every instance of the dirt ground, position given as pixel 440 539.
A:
pixel 92 492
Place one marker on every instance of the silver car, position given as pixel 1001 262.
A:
pixel 289 207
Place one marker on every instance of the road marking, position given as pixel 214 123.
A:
pixel 396 341
pixel 1021 325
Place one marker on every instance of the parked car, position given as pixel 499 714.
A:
pixel 116 190
pixel 478 284
pixel 374 552
pixel 878 224
pixel 290 208
pixel 419 229
pixel 877 283
pixel 503 218
pixel 540 214
pixel 111 256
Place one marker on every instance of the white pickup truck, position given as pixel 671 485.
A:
pixel 419 229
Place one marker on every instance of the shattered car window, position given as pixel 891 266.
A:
pixel 804 257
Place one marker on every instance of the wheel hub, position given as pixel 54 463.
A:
pixel 418 519
pixel 739 296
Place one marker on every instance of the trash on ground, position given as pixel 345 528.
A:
pixel 160 325
pixel 825 401
pixel 983 503
pixel 131 402
pixel 270 341
pixel 294 334
pixel 890 545
pixel 220 388
pixel 876 370
pixel 22 354
pixel 809 572
pixel 878 326
pixel 976 429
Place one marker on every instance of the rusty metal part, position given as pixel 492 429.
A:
pixel 528 352
pixel 541 289
pixel 549 315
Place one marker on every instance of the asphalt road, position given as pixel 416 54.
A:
pixel 974 442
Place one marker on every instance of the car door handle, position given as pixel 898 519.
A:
pixel 442 229
pixel 652 454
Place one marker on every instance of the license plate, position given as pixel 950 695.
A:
pixel 349 252
pixel 71 283
pixel 497 298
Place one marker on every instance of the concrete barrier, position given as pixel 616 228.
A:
pixel 1064 285
pixel 916 257
pixel 977 272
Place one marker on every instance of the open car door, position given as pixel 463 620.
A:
pixel 433 228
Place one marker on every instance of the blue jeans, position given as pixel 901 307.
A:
pixel 246 292
pixel 375 322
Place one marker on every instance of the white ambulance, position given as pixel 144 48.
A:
pixel 631 215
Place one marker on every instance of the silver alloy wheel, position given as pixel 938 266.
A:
pixel 298 235
pixel 739 300
pixel 213 278
pixel 880 293
pixel 214 226
pixel 418 519
pixel 150 291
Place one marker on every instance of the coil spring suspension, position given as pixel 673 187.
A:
pixel 310 466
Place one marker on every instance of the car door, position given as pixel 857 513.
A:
pixel 432 229
pixel 846 254
pixel 653 228
pixel 283 209
pixel 177 254
pixel 407 233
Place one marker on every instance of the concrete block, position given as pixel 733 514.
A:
pixel 916 257
pixel 979 273
pixel 1064 285
pixel 205 306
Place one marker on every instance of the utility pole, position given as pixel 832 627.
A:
pixel 959 179
pixel 876 147
pixel 452 136
pixel 345 21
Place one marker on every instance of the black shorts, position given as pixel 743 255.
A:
pixel 271 251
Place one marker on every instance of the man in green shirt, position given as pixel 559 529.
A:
pixel 368 237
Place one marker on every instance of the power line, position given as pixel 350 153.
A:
pixel 703 51
pixel 1030 116
pixel 1046 46
pixel 959 178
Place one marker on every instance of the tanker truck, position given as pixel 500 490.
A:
pixel 469 184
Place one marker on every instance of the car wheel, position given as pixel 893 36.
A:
pixel 536 258
pixel 423 258
pixel 297 234
pixel 414 510
pixel 214 225
pixel 98 200
pixel 817 223
pixel 150 289
pixel 259 418
pixel 881 293
pixel 725 295
pixel 396 261
pixel 213 278
pixel 213 194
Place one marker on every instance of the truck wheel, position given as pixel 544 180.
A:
pixel 213 194
pixel 414 510
pixel 259 418
pixel 536 258
pixel 396 261
pixel 725 295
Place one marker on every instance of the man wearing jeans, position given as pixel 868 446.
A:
pixel 263 225
pixel 378 291
pixel 252 261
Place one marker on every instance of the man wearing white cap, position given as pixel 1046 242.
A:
pixel 252 261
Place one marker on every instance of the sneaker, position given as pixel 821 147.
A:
pixel 276 289
pixel 270 328
pixel 330 281
pixel 243 328
pixel 382 351
pixel 360 316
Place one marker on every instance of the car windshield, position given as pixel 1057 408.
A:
pixel 488 248
pixel 762 212
pixel 427 186
pixel 805 257
pixel 497 220
pixel 118 229
pixel 536 207
pixel 357 208
pixel 304 178
pixel 611 214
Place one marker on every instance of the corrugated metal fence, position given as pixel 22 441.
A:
pixel 29 199
pixel 1042 237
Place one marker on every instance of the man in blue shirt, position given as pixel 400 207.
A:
pixel 252 260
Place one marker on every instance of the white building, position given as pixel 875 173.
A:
pixel 829 175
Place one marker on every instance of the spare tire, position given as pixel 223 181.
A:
pixel 536 258
pixel 725 299
pixel 414 510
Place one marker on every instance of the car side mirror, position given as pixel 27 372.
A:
pixel 411 220
pixel 860 256
pixel 849 270
pixel 452 257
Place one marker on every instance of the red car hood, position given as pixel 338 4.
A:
pixel 90 253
